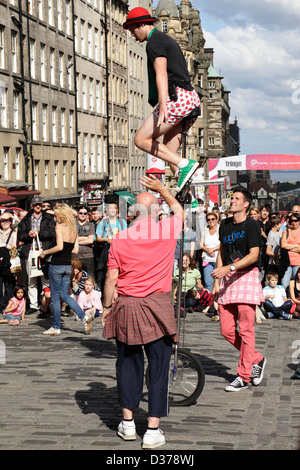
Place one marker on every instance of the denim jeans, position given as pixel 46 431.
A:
pixel 11 317
pixel 277 311
pixel 208 279
pixel 59 278
pixel 289 274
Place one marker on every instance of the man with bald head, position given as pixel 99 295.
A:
pixel 296 209
pixel 140 268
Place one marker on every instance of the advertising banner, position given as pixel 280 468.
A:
pixel 270 162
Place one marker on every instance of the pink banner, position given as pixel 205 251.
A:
pixel 272 162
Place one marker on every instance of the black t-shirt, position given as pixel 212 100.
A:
pixel 239 237
pixel 266 228
pixel 161 45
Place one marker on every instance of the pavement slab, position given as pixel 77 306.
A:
pixel 59 392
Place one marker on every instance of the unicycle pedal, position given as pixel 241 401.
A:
pixel 184 197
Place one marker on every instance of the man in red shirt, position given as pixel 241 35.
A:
pixel 140 268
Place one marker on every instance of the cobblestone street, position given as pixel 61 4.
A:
pixel 60 392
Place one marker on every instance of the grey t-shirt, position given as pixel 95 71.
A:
pixel 85 251
pixel 273 240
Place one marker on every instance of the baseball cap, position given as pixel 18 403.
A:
pixel 37 200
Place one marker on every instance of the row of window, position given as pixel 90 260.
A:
pixel 60 173
pixel 91 94
pixel 136 66
pixel 92 153
pixel 46 64
pixel 9 118
pixel 50 124
pixel 89 41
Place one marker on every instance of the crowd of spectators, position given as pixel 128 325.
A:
pixel 34 230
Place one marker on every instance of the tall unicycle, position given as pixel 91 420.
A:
pixel 186 376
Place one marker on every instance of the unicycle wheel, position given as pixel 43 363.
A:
pixel 186 378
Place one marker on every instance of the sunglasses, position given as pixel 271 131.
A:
pixel 83 213
pixel 209 220
pixel 46 206
pixel 5 220
pixel 294 220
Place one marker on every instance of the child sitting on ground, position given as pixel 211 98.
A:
pixel 276 302
pixel 90 300
pixel 204 300
pixel 16 308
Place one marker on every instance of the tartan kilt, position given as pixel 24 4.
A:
pixel 241 287
pixel 141 320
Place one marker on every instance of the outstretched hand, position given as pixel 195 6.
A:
pixel 152 183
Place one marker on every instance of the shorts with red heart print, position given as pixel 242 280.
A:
pixel 178 110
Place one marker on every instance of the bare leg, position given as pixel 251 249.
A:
pixel 145 139
pixel 153 422
pixel 127 413
pixel 172 140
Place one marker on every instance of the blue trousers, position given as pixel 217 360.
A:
pixel 130 375
pixel 277 311
pixel 59 279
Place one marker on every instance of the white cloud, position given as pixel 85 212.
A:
pixel 275 14
pixel 258 54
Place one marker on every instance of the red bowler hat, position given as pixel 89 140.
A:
pixel 138 15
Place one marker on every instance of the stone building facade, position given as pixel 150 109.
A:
pixel 73 91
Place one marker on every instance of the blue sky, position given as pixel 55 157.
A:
pixel 257 51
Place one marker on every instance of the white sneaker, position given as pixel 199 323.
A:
pixel 126 430
pixel 88 324
pixel 153 438
pixel 237 385
pixel 258 371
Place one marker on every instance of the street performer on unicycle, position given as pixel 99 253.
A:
pixel 170 91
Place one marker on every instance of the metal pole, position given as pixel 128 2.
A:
pixel 180 276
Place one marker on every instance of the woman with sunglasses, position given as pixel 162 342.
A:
pixel 8 240
pixel 210 245
pixel 290 241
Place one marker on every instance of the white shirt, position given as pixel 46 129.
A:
pixel 279 293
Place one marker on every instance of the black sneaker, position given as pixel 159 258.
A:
pixel 258 371
pixel 237 385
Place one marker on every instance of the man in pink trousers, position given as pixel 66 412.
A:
pixel 238 290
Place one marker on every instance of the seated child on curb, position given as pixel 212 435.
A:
pixel 276 302
pixel 90 300
pixel 16 308
pixel 203 299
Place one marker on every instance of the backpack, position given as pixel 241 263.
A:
pixel 4 261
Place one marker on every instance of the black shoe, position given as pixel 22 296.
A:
pixel 42 314
pixel 237 385
pixel 31 310
pixel 296 374
pixel 258 371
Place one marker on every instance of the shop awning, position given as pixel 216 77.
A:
pixel 23 193
pixel 129 198
pixel 7 200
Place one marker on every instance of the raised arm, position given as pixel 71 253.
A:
pixel 155 185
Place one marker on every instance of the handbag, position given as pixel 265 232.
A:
pixel 32 263
pixel 15 262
